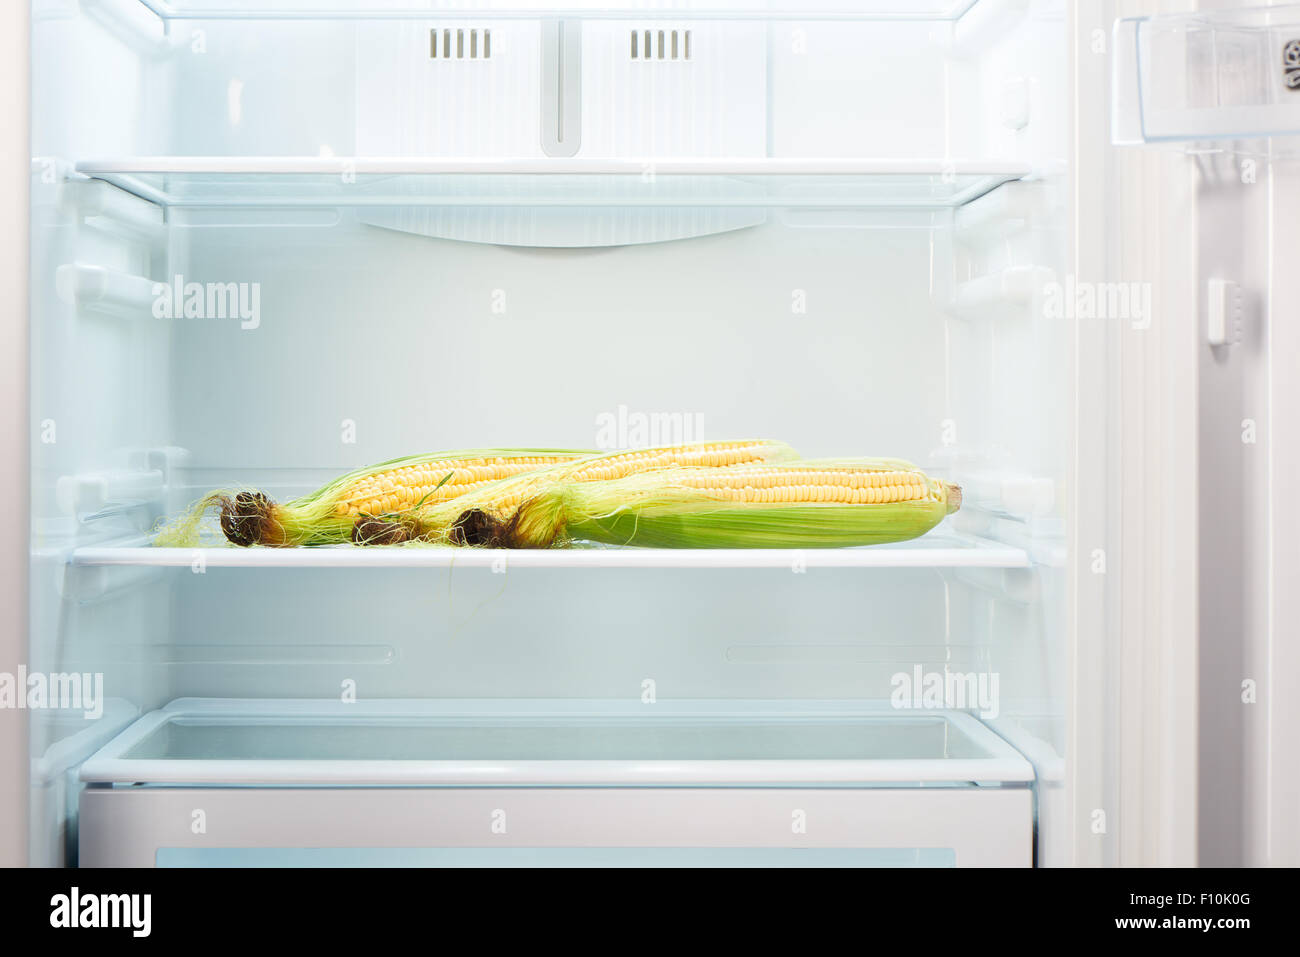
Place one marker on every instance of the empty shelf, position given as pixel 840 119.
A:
pixel 932 551
pixel 282 182
pixel 552 743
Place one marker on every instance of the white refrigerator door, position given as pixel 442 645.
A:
pixel 1131 755
pixel 1186 613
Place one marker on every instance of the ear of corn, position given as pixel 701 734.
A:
pixel 407 485
pixel 332 514
pixel 800 505
pixel 495 514
pixel 751 494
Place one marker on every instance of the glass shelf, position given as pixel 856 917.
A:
pixel 280 182
pixel 931 551
pixel 585 9
pixel 1214 75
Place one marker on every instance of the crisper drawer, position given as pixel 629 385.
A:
pixel 565 783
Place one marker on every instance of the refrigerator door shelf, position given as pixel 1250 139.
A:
pixel 545 743
pixel 1207 76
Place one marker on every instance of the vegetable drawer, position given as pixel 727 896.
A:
pixel 216 782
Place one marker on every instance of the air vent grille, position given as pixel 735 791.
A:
pixel 648 45
pixel 460 44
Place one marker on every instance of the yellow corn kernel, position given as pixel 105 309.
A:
pixel 712 455
pixel 812 485
pixel 402 489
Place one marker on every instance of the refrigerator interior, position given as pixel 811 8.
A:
pixel 833 226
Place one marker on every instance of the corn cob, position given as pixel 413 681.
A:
pixel 333 513
pixel 495 514
pixel 789 505
pixel 799 505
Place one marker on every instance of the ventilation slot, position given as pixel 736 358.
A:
pixel 460 44
pixel 660 44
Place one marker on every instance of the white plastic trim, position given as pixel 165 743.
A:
pixel 561 166
pixel 999 761
pixel 983 826
pixel 98 287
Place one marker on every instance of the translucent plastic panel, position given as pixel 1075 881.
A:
pixel 1212 75
pixel 686 739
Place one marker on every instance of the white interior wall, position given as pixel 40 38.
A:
pixel 399 334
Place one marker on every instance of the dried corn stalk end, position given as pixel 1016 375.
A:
pixel 246 517
pixel 185 531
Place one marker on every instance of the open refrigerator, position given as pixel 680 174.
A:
pixel 1038 247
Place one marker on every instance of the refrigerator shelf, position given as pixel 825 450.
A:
pixel 377 182
pixel 1212 75
pixel 929 552
pixel 571 9
pixel 552 743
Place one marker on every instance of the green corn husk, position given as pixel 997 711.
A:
pixel 659 511
pixel 746 525
pixel 249 517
